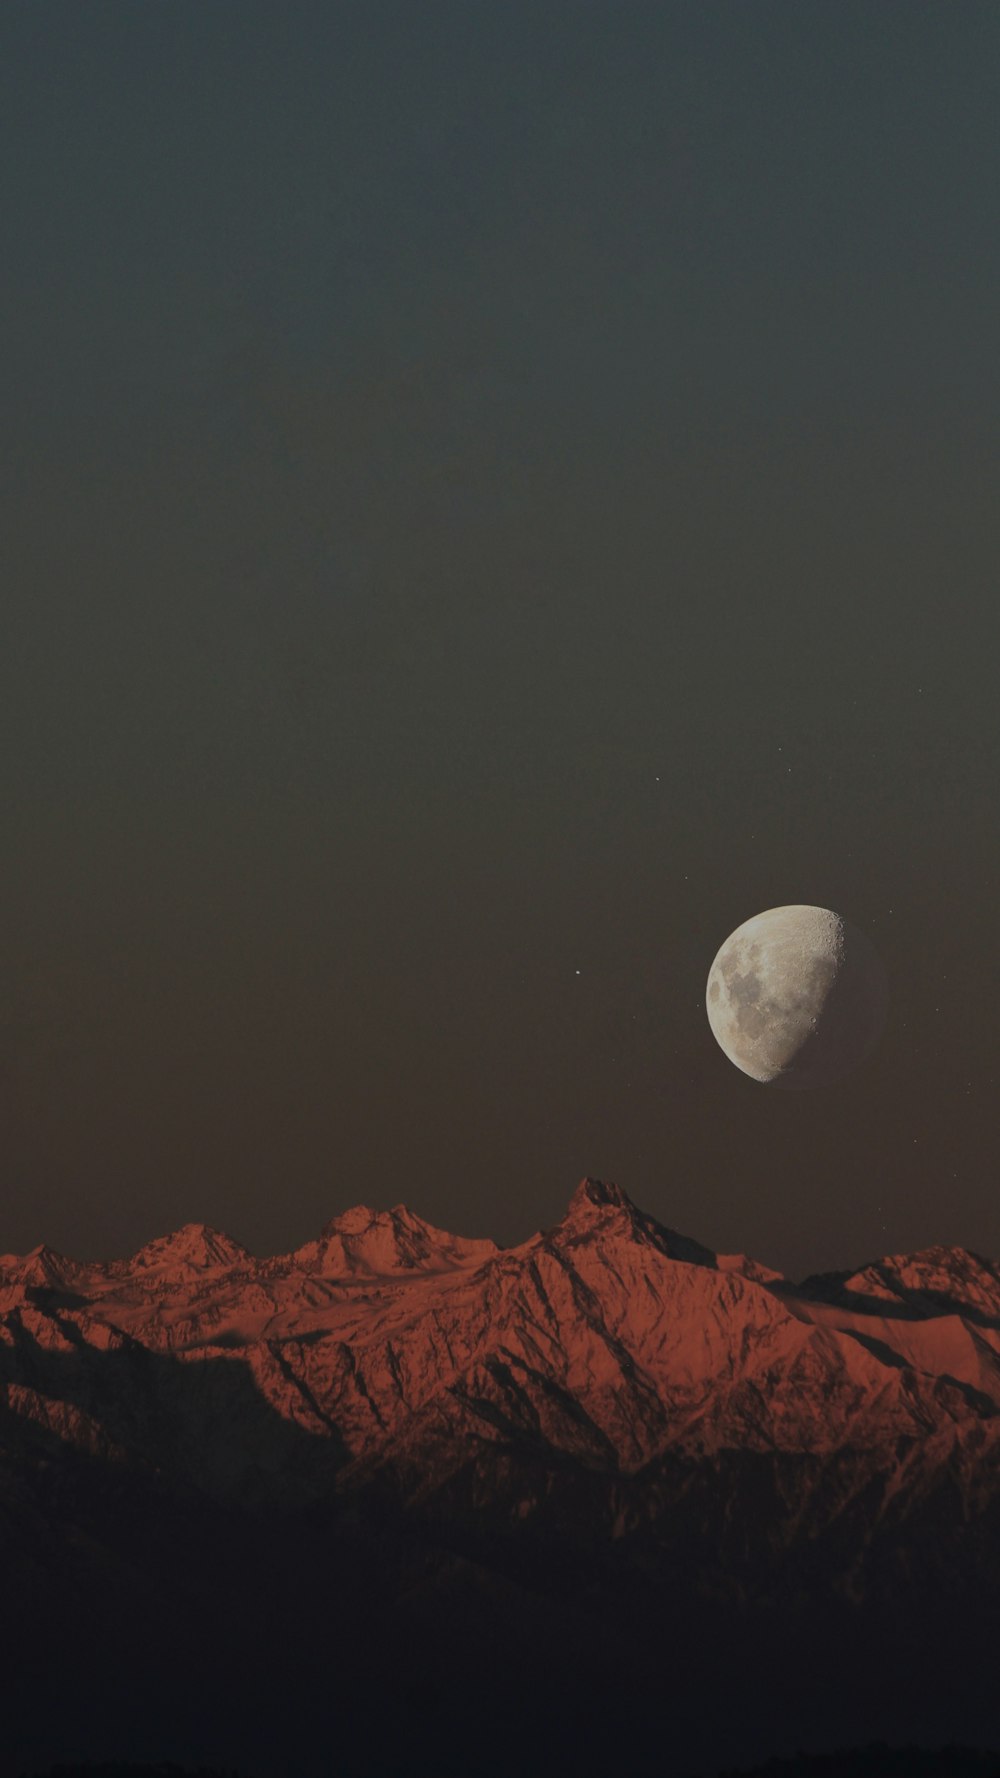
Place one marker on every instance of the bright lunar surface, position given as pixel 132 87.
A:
pixel 796 996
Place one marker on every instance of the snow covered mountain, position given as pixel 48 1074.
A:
pixel 394 1348
pixel 607 1445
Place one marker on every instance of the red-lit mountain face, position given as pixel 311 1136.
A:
pixel 606 1463
pixel 607 1348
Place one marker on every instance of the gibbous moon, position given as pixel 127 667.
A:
pixel 796 997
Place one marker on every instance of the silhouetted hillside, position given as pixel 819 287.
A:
pixel 881 1762
pixel 116 1770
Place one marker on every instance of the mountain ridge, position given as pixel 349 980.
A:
pixel 607 1338
pixel 591 1195
pixel 588 1460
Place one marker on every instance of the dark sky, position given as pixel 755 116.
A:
pixel 494 496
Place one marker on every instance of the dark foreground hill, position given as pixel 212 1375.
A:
pixel 128 1771
pixel 881 1762
pixel 866 1762
pixel 869 1762
pixel 404 1502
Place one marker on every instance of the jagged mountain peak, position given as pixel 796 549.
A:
pixel 42 1265
pixel 931 1275
pixel 361 1218
pixel 597 1204
pixel 928 1261
pixel 194 1247
pixel 44 1253
pixel 748 1267
pixel 353 1221
pixel 598 1194
pixel 385 1243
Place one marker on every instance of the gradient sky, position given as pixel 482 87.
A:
pixel 494 496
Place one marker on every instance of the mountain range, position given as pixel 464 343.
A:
pixel 585 1487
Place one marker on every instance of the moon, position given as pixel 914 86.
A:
pixel 796 997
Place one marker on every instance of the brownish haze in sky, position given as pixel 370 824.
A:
pixel 496 496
